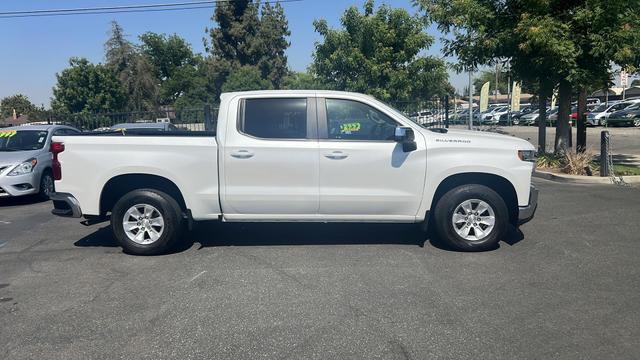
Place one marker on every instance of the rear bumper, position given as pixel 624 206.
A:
pixel 526 213
pixel 65 205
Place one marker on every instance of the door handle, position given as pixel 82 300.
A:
pixel 242 154
pixel 336 155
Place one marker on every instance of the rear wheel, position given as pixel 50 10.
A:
pixel 146 222
pixel 471 218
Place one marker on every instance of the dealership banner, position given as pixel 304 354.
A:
pixel 484 97
pixel 515 96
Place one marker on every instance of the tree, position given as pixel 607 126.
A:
pixel 272 44
pixel 85 87
pixel 302 81
pixel 19 102
pixel 491 77
pixel 133 69
pixel 244 79
pixel 174 64
pixel 119 52
pixel 379 53
pixel 247 37
pixel 568 43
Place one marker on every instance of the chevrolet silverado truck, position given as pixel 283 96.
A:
pixel 303 156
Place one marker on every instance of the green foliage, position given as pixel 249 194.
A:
pixel 168 54
pixel 572 43
pixel 87 87
pixel 19 102
pixel 491 77
pixel 246 36
pixel 302 81
pixel 379 53
pixel 133 69
pixel 174 64
pixel 244 79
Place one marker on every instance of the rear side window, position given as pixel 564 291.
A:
pixel 275 118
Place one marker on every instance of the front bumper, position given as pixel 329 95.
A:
pixel 20 185
pixel 65 205
pixel 526 213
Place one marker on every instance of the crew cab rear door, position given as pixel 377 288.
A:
pixel 271 159
pixel 364 173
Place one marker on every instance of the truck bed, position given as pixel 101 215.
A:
pixel 188 159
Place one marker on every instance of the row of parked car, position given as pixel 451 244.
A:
pixel 613 113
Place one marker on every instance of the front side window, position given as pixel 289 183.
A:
pixel 353 120
pixel 275 118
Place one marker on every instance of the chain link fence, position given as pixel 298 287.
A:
pixel 200 118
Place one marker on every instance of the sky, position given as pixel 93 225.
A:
pixel 34 49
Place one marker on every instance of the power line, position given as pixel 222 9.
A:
pixel 106 12
pixel 123 9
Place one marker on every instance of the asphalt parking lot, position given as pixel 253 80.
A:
pixel 567 286
pixel 625 141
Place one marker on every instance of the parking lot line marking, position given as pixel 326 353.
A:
pixel 195 277
pixel 5 222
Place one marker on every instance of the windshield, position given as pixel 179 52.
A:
pixel 399 113
pixel 22 140
pixel 634 107
pixel 601 108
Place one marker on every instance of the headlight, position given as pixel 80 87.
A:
pixel 527 155
pixel 24 168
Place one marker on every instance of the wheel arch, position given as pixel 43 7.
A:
pixel 497 183
pixel 120 185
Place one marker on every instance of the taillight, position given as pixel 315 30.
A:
pixel 56 148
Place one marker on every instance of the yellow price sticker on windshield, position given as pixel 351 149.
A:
pixel 348 128
pixel 7 133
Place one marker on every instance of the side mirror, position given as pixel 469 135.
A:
pixel 406 136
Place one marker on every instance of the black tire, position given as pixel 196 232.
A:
pixel 168 209
pixel 47 185
pixel 449 202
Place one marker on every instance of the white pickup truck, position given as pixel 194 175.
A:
pixel 317 156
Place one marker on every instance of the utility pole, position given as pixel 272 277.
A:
pixel 495 97
pixel 509 92
pixel 470 101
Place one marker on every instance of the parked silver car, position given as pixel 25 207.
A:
pixel 25 159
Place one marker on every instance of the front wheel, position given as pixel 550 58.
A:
pixel 636 122
pixel 471 218
pixel 146 222
pixel 603 122
pixel 47 186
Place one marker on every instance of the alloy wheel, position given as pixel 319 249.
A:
pixel 473 219
pixel 143 224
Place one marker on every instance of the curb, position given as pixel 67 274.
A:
pixel 578 179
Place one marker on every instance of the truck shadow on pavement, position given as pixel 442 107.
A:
pixel 214 234
pixel 21 200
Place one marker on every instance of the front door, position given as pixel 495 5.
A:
pixel 364 173
pixel 271 159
